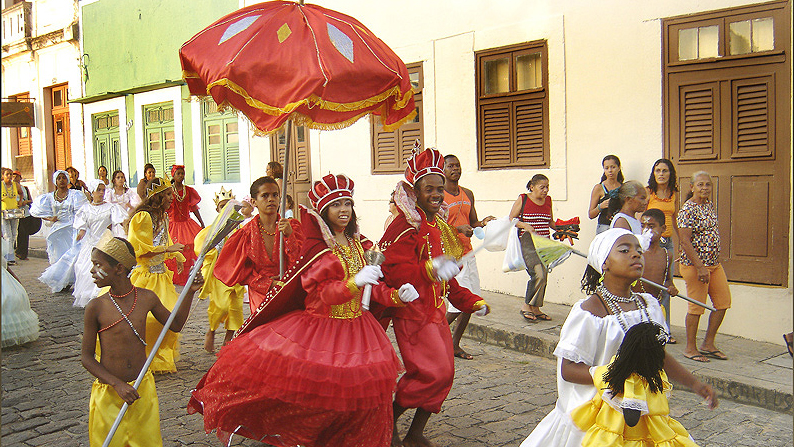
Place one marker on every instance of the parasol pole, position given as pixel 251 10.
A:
pixel 223 229
pixel 283 208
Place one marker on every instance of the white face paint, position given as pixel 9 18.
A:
pixel 101 273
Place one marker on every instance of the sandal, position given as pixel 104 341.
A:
pixel 542 317
pixel 717 354
pixel 528 315
pixel 461 354
pixel 698 358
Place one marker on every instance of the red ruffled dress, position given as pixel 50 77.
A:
pixel 323 376
pixel 183 229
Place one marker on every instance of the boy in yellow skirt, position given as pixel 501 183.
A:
pixel 118 318
pixel 226 303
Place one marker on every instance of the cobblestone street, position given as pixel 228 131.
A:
pixel 496 401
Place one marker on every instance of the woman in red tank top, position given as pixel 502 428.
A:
pixel 534 213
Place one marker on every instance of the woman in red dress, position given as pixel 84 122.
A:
pixel 323 375
pixel 182 228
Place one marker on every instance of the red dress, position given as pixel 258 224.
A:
pixel 244 259
pixel 322 376
pixel 421 329
pixel 183 229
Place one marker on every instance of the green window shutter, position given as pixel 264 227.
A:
pixel 106 141
pixel 159 136
pixel 221 148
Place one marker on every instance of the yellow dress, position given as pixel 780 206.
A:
pixel 151 273
pixel 226 303
pixel 602 417
pixel 140 426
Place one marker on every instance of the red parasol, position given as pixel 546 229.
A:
pixel 282 60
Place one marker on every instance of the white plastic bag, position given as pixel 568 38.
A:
pixel 495 238
pixel 514 258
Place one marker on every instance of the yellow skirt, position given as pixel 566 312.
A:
pixel 140 426
pixel 162 285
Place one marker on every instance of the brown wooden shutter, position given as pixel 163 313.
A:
pixel 529 132
pixel 698 104
pixel 753 120
pixel 496 131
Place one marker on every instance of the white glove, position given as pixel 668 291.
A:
pixel 408 293
pixel 445 268
pixel 369 274
pixel 483 311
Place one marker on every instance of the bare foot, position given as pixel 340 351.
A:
pixel 209 341
pixel 228 337
pixel 417 441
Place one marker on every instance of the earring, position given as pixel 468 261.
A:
pixel 601 279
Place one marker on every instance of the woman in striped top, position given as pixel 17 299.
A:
pixel 535 216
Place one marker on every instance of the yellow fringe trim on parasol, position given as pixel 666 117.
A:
pixel 311 101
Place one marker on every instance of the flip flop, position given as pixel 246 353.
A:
pixel 463 355
pixel 718 355
pixel 672 341
pixel 528 315
pixel 542 317
pixel 698 358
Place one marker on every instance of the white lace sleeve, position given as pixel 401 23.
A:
pixel 579 336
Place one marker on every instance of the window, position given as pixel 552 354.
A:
pixel 23 158
pixel 752 36
pixel 513 107
pixel 159 136
pixel 221 148
pixel 391 149
pixel 107 150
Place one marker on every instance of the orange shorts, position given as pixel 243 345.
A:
pixel 717 288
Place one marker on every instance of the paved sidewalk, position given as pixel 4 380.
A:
pixel 757 373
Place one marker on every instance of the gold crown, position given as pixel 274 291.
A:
pixel 223 195
pixel 116 249
pixel 157 187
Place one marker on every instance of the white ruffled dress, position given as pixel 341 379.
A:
pixel 584 338
pixel 20 322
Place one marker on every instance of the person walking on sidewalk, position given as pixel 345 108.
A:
pixel 700 267
pixel 463 218
pixel 11 200
pixel 28 224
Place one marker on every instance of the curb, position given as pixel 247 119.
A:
pixel 542 345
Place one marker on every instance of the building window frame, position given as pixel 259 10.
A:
pixel 220 148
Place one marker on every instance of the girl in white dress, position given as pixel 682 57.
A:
pixel 119 193
pixel 57 209
pixel 594 330
pixel 20 322
pixel 91 221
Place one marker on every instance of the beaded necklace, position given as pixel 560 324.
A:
pixel 8 191
pixel 59 199
pixel 264 231
pixel 123 315
pixel 611 300
pixel 184 193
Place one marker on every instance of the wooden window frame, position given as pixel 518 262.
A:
pixel 401 149
pixel 113 132
pixel 163 126
pixel 510 102
pixel 228 150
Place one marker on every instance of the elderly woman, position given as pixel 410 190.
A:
pixel 700 267
pixel 58 208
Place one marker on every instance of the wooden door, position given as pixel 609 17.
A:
pixel 298 175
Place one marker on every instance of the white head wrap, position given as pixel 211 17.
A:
pixel 93 184
pixel 602 245
pixel 57 173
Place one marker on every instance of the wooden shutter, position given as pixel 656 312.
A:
pixel 213 151
pixel 391 149
pixel 298 175
pixel 160 137
pixel 496 131
pixel 753 126
pixel 698 132
pixel 530 136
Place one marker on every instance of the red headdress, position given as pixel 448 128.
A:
pixel 330 188
pixel 174 168
pixel 422 163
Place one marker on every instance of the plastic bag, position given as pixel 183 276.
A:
pixel 514 257
pixel 495 237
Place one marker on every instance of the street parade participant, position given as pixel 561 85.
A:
pixel 421 248
pixel 181 227
pixel 251 255
pixel 119 193
pixel 630 407
pixel 322 375
pixel 152 242
pixel 20 322
pixel 149 173
pixel 11 212
pixel 118 318
pixel 462 217
pixel 226 303
pixel 594 330
pixel 57 209
pixel 91 221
